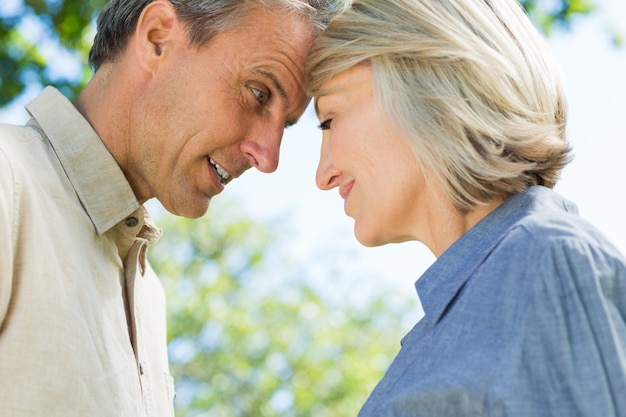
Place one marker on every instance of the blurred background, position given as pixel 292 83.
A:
pixel 274 308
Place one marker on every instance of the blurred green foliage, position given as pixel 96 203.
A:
pixel 33 33
pixel 249 337
pixel 557 14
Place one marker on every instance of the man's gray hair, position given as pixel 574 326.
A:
pixel 203 18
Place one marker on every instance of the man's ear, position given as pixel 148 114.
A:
pixel 157 31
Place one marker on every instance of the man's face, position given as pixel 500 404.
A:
pixel 210 113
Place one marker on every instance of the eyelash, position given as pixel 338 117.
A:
pixel 325 125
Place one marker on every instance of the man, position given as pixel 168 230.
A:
pixel 186 96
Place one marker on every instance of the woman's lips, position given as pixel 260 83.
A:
pixel 344 190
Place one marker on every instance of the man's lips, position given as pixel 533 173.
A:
pixel 223 176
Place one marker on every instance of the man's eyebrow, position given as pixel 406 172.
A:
pixel 277 84
pixel 281 91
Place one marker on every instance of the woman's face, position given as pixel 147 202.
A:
pixel 378 176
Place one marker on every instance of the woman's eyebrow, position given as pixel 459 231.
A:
pixel 317 109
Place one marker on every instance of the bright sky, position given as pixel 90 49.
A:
pixel 320 234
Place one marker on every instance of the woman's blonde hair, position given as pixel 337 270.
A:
pixel 471 84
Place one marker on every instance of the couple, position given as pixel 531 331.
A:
pixel 442 121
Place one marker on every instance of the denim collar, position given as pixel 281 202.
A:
pixel 439 285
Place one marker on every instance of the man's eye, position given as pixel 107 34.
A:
pixel 261 96
pixel 325 125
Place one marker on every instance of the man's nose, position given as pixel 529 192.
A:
pixel 262 149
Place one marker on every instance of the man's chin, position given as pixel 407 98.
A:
pixel 191 210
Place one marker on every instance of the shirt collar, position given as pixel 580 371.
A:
pixel 438 286
pixel 98 181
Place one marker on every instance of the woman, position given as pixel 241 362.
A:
pixel 443 121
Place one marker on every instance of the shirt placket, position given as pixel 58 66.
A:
pixel 134 270
pixel 134 273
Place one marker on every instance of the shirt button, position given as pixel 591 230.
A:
pixel 131 221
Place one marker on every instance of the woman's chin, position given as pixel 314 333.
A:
pixel 367 239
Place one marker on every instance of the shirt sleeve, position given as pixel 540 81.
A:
pixel 584 327
pixel 7 191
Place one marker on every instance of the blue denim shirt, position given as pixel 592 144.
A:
pixel 524 316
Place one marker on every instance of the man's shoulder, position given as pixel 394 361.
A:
pixel 16 139
pixel 24 154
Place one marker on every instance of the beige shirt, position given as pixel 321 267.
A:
pixel 82 314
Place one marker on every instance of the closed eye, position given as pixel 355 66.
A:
pixel 325 125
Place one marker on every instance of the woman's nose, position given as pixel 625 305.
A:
pixel 327 176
